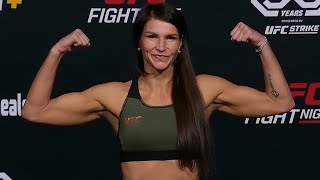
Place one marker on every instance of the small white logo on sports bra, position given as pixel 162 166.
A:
pixel 132 120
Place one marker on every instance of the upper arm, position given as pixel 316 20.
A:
pixel 235 99
pixel 73 108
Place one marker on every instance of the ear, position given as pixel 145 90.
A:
pixel 180 44
pixel 179 49
pixel 139 43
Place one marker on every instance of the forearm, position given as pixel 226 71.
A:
pixel 276 85
pixel 41 87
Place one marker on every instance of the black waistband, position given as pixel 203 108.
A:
pixel 149 155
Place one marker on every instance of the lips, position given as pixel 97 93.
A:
pixel 160 56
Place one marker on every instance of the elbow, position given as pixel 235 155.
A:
pixel 287 106
pixel 29 114
pixel 292 104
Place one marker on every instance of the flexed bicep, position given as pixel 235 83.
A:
pixel 246 101
pixel 237 100
pixel 68 109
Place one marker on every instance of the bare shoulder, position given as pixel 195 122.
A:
pixel 207 77
pixel 110 95
pixel 110 87
pixel 211 86
pixel 211 81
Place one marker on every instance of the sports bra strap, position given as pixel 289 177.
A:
pixel 134 89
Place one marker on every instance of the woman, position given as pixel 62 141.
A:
pixel 160 116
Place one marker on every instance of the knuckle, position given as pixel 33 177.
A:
pixel 74 37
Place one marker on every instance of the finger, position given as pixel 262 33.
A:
pixel 80 39
pixel 76 40
pixel 79 35
pixel 235 29
pixel 249 36
pixel 84 36
pixel 83 39
pixel 243 37
pixel 237 35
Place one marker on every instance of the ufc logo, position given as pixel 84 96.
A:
pixel 132 120
pixel 271 9
pixel 131 2
pixel 276 29
pixel 302 90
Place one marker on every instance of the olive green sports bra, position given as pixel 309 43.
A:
pixel 146 132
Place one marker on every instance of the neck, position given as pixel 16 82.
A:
pixel 156 90
pixel 158 78
pixel 156 81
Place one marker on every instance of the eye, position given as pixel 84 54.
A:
pixel 172 38
pixel 151 36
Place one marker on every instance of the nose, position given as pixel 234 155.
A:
pixel 161 44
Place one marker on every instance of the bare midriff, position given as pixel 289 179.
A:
pixel 156 170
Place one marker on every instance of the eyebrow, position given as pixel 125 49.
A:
pixel 157 34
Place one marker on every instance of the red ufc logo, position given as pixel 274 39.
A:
pixel 301 90
pixel 114 2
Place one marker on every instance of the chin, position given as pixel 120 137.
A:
pixel 161 66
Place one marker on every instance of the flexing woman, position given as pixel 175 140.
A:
pixel 161 115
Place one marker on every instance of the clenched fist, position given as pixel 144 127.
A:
pixel 75 39
pixel 243 33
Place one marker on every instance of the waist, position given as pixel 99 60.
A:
pixel 156 170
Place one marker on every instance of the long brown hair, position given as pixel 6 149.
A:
pixel 193 131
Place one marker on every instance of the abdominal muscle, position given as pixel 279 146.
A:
pixel 156 170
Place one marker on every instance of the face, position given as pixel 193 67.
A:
pixel 159 45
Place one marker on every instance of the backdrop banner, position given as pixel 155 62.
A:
pixel 283 146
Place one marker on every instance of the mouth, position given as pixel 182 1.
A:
pixel 160 57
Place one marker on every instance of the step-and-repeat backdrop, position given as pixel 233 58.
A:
pixel 284 146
